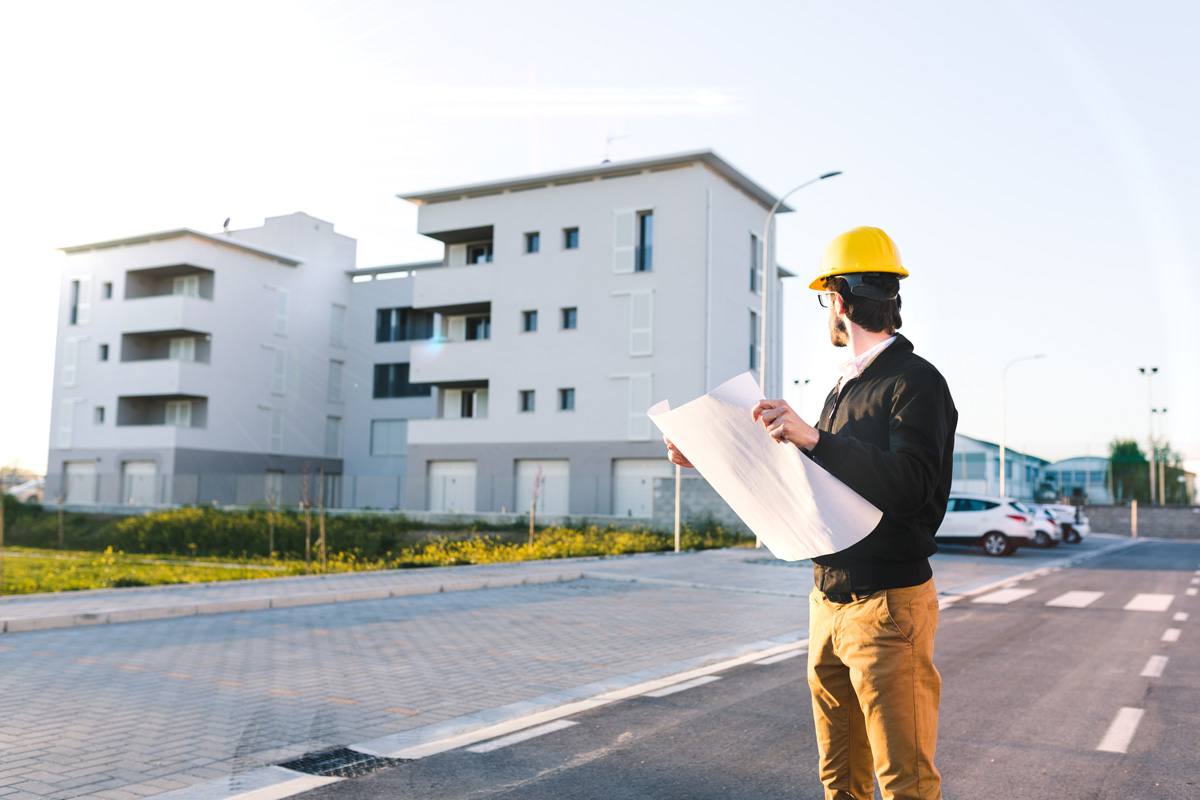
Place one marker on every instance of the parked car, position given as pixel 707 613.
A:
pixel 1073 521
pixel 1047 530
pixel 999 524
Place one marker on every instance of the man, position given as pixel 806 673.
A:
pixel 887 431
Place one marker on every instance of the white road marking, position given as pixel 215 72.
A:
pixel 1195 581
pixel 1004 596
pixel 780 657
pixel 1120 732
pixel 1149 602
pixel 520 736
pixel 679 687
pixel 1075 599
pixel 1171 635
pixel 1180 616
pixel 264 783
pixel 1191 591
pixel 1154 667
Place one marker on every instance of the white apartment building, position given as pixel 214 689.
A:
pixel 194 368
pixel 565 305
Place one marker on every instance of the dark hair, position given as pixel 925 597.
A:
pixel 877 316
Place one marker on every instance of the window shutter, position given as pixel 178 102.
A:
pixel 456 329
pixel 452 404
pixel 278 370
pixel 624 240
pixel 281 312
pixel 66 422
pixel 275 434
pixel 641 323
pixel 481 403
pixel 70 367
pixel 639 401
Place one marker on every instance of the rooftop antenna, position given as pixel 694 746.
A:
pixel 225 225
pixel 608 140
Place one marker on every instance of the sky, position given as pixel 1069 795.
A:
pixel 1036 162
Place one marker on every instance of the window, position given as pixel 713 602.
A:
pixel 753 340
pixel 1096 476
pixel 391 380
pixel 388 437
pixel 182 348
pixel 1080 477
pixel 529 321
pixel 969 466
pixel 566 399
pixel 333 436
pixel 335 381
pixel 526 400
pixel 275 432
pixel 569 318
pixel 570 238
pixel 533 242
pixel 467 405
pixel 80 311
pixel 337 325
pixel 645 247
pixel 755 267
pixel 179 413
pixel 278 370
pixel 480 253
pixel 186 285
pixel 478 328
pixel 281 312
pixel 98 415
pixel 104 352
pixel 1052 477
pixel 107 294
pixel 641 319
pixel 402 325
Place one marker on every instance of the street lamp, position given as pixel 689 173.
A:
pixel 1150 372
pixel 1161 457
pixel 768 282
pixel 1004 412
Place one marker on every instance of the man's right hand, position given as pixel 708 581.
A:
pixel 674 456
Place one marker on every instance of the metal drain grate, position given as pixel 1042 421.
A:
pixel 341 762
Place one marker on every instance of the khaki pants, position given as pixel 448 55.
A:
pixel 875 693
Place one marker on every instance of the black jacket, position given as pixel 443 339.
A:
pixel 889 436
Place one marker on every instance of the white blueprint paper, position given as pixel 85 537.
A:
pixel 789 501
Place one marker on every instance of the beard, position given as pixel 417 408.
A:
pixel 838 334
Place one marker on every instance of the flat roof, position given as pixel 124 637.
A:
pixel 395 268
pixel 159 236
pixel 1007 449
pixel 609 169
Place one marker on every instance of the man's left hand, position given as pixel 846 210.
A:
pixel 785 424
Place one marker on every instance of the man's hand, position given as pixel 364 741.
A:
pixel 674 455
pixel 785 424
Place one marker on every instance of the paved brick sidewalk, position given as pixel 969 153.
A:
pixel 131 710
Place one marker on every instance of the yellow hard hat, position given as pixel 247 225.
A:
pixel 862 249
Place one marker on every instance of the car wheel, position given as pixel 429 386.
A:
pixel 1042 540
pixel 996 543
pixel 1071 536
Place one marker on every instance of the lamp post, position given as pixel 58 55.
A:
pixel 1161 457
pixel 1004 412
pixel 1150 372
pixel 768 281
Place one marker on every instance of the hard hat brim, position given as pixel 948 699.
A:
pixel 818 283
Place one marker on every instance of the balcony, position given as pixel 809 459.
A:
pixel 165 376
pixel 173 410
pixel 454 289
pixel 178 279
pixel 177 344
pixel 157 313
pixel 445 361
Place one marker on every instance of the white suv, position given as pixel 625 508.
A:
pixel 1000 524
pixel 1047 531
pixel 1073 521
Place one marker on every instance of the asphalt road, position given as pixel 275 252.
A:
pixel 1031 694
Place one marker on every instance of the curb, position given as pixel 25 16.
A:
pixel 116 616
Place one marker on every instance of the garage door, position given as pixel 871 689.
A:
pixel 80 480
pixel 452 486
pixel 633 484
pixel 555 485
pixel 139 483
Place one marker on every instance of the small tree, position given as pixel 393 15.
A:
pixel 1128 465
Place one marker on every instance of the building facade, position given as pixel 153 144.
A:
pixel 196 368
pixel 514 371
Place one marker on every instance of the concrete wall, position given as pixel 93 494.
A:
pixel 1168 522
pixel 697 501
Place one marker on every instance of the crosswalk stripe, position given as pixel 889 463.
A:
pixel 520 736
pixel 1003 596
pixel 679 687
pixel 1149 602
pixel 1154 667
pixel 1075 599
pixel 1195 581
pixel 1180 616
pixel 780 657
pixel 1191 591
pixel 1120 732
pixel 1171 635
